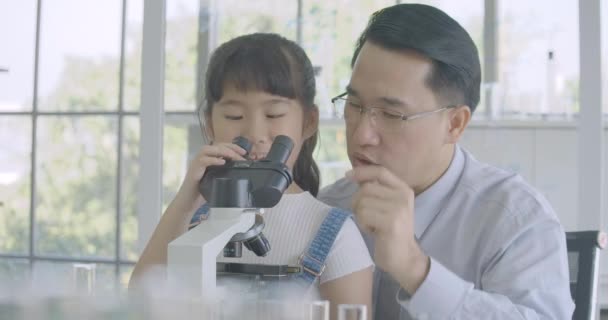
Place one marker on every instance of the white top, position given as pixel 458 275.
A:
pixel 290 228
pixel 497 249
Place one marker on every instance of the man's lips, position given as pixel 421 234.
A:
pixel 361 159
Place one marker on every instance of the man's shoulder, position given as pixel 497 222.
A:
pixel 338 194
pixel 493 186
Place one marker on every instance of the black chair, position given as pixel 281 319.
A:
pixel 583 259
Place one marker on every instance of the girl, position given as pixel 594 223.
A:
pixel 260 86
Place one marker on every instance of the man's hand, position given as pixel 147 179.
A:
pixel 384 207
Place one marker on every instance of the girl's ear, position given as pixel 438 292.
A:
pixel 311 122
pixel 208 129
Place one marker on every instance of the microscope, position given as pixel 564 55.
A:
pixel 236 194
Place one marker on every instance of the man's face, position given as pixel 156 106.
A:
pixel 418 151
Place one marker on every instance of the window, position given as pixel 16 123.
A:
pixel 69 136
pixel 15 193
pixel 237 17
pixel 18 27
pixel 180 55
pixel 329 35
pixel 605 61
pixel 538 58
pixel 75 211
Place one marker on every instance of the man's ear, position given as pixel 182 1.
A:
pixel 311 122
pixel 458 120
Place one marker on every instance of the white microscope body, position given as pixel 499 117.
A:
pixel 192 257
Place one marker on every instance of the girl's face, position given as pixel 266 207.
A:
pixel 260 117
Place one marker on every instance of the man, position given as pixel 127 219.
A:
pixel 451 237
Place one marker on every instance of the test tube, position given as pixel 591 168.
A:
pixel 352 312
pixel 84 277
pixel 319 310
pixel 421 316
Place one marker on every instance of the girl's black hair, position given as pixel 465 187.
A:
pixel 273 64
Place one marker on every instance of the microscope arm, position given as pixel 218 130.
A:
pixel 191 261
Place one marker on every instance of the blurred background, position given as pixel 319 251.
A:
pixel 74 186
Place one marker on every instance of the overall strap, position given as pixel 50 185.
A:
pixel 201 214
pixel 313 259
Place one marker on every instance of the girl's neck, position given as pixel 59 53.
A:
pixel 294 188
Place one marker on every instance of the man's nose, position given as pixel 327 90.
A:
pixel 365 132
pixel 371 114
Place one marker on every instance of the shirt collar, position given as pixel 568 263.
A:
pixel 429 202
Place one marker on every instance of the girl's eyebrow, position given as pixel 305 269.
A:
pixel 275 101
pixel 231 102
pixel 239 103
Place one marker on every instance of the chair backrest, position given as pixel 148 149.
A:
pixel 583 260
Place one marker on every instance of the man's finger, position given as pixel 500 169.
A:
pixel 376 190
pixel 373 173
pixel 373 214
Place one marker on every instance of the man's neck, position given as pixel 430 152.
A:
pixel 443 165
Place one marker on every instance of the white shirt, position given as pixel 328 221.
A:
pixel 291 226
pixel 497 249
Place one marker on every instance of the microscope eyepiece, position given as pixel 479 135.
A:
pixel 243 143
pixel 280 149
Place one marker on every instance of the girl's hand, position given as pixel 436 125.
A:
pixel 188 195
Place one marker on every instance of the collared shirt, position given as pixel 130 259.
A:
pixel 496 246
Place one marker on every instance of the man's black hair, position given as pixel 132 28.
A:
pixel 456 74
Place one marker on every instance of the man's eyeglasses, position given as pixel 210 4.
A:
pixel 384 119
